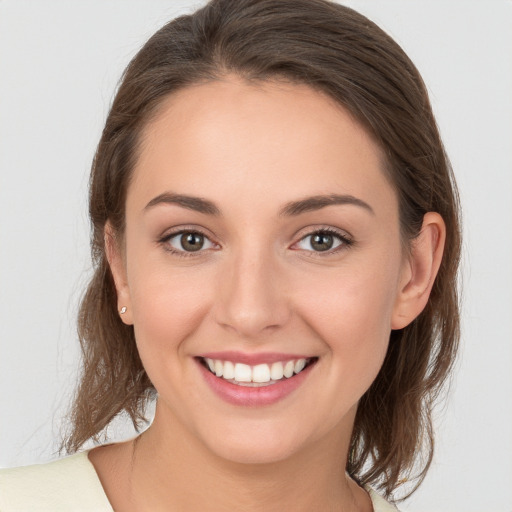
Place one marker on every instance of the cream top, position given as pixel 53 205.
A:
pixel 71 484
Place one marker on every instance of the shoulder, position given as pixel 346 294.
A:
pixel 379 503
pixel 68 484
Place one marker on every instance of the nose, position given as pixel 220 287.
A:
pixel 252 300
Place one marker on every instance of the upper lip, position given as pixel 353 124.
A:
pixel 253 359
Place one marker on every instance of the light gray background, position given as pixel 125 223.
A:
pixel 59 63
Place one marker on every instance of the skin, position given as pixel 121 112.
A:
pixel 258 286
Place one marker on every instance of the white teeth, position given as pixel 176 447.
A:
pixel 229 370
pixel 276 371
pixel 299 365
pixel 219 367
pixel 258 374
pixel 243 372
pixel 261 373
pixel 288 369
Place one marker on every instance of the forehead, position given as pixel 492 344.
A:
pixel 268 140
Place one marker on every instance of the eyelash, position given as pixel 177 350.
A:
pixel 346 241
pixel 184 254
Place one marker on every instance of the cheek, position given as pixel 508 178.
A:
pixel 351 313
pixel 168 307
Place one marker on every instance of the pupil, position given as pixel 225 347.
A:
pixel 322 242
pixel 192 241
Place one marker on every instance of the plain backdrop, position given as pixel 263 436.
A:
pixel 59 65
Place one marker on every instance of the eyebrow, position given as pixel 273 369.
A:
pixel 313 203
pixel 290 209
pixel 197 204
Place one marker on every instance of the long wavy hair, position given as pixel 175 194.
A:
pixel 337 51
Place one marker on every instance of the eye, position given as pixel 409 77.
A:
pixel 323 241
pixel 189 241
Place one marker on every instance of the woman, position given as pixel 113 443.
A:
pixel 276 238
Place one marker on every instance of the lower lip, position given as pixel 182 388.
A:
pixel 253 396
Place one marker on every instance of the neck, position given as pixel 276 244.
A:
pixel 171 468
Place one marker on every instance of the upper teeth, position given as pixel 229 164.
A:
pixel 259 373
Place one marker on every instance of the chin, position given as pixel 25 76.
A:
pixel 256 444
pixel 253 452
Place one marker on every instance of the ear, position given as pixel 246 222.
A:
pixel 117 265
pixel 419 271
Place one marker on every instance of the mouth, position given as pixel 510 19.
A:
pixel 259 375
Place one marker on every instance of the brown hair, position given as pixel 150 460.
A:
pixel 343 54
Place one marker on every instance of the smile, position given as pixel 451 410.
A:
pixel 258 375
pixel 254 380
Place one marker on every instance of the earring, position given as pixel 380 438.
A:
pixel 123 310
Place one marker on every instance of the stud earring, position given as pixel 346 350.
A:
pixel 122 310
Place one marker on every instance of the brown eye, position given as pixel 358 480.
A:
pixel 189 241
pixel 192 241
pixel 323 241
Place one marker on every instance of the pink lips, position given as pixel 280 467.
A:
pixel 252 396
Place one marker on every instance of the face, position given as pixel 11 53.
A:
pixel 262 236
